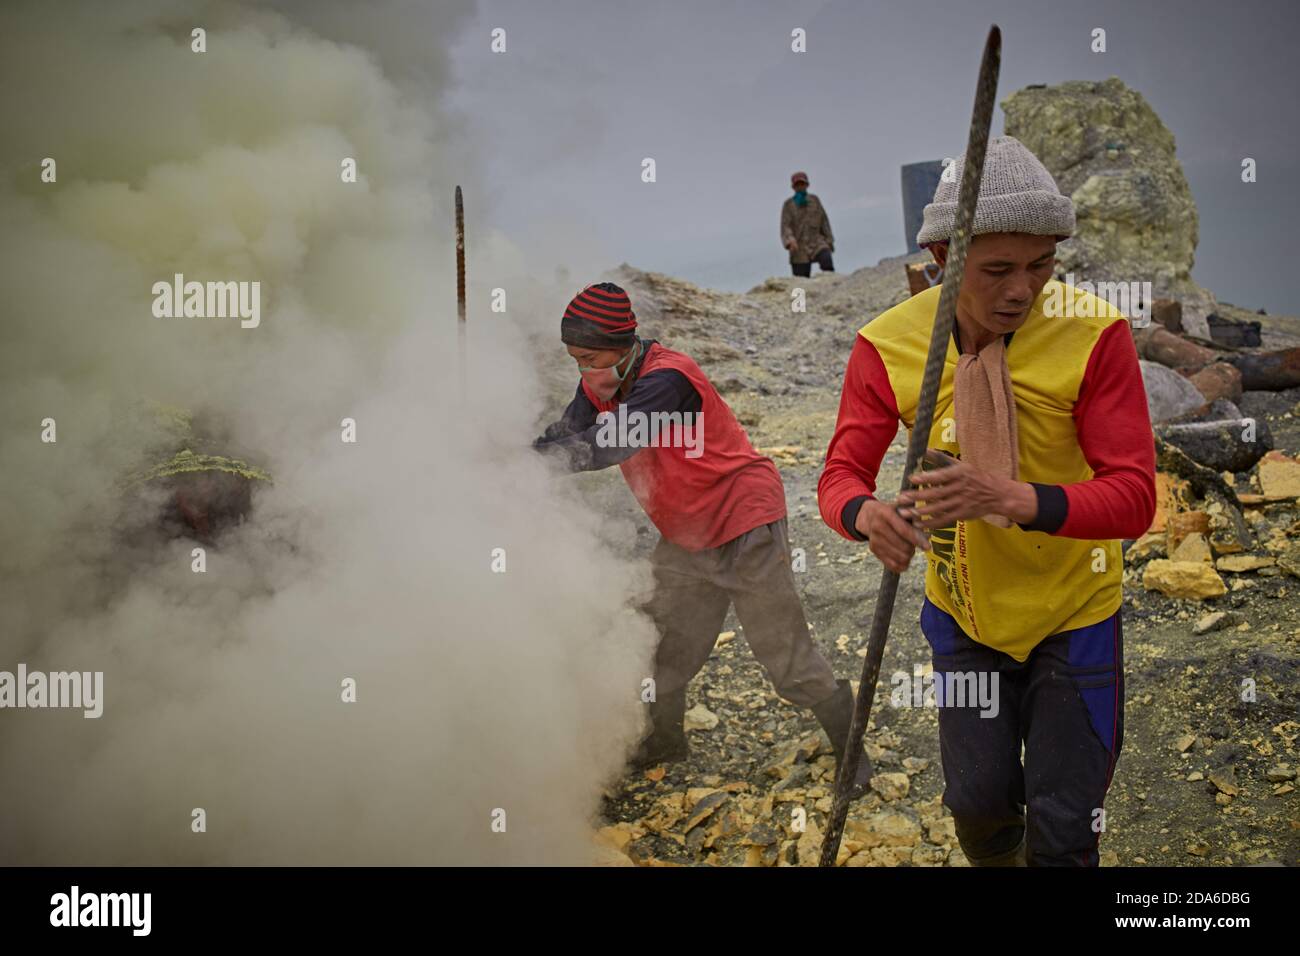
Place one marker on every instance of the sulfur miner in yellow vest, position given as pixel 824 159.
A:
pixel 985 575
pixel 1042 429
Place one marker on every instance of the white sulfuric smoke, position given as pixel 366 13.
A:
pixel 476 691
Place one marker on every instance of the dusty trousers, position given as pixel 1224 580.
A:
pixel 694 590
pixel 805 268
pixel 1063 706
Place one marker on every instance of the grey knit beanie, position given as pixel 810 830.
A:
pixel 1017 194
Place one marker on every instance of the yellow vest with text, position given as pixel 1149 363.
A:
pixel 1006 587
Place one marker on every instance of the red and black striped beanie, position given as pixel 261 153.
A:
pixel 599 317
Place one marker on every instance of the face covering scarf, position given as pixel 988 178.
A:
pixel 985 409
pixel 604 382
pixel 801 197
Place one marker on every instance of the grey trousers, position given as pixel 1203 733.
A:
pixel 693 591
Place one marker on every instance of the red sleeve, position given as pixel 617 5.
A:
pixel 867 423
pixel 1114 430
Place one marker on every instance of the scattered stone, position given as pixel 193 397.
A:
pixel 1279 475
pixel 927 855
pixel 762 855
pixel 1280 774
pixel 891 786
pixel 1185 742
pixel 667 810
pixel 914 765
pixel 781 765
pixel 1207 623
pixel 1173 495
pixel 1218 381
pixel 890 856
pixel 1168 393
pixel 700 717
pixel 1194 547
pixel 1219 444
pixel 1225 781
pixel 807 749
pixel 1193 580
pixel 1182 523
pixel 1153 542
pixel 789 855
pixel 1241 563
pixel 694 795
pixel 1288 560
pixel 763 834
pixel 1173 350
pixel 1218 621
pixel 809 847
pixel 942 831
pixel 703 809
pixel 1234 332
pixel 1229 532
pixel 1202 482
pixel 797 777
pixel 1167 313
pixel 883 829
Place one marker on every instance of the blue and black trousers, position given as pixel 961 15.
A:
pixel 1028 754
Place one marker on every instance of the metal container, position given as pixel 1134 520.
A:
pixel 920 180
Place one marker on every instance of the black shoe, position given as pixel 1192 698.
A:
pixel 666 742
pixel 835 714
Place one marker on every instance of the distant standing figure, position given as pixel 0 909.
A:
pixel 806 229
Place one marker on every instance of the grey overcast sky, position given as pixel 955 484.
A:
pixel 711 90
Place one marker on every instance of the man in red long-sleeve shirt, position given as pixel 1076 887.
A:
pixel 1043 405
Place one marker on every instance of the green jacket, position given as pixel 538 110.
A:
pixel 809 226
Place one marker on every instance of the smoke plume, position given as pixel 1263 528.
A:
pixel 476 691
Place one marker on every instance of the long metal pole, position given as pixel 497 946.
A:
pixel 460 288
pixel 955 266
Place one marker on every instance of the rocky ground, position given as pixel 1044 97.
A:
pixel 1207 773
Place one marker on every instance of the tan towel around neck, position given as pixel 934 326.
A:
pixel 985 409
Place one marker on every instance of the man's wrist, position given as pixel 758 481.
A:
pixel 1053 508
pixel 849 516
pixel 1022 502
